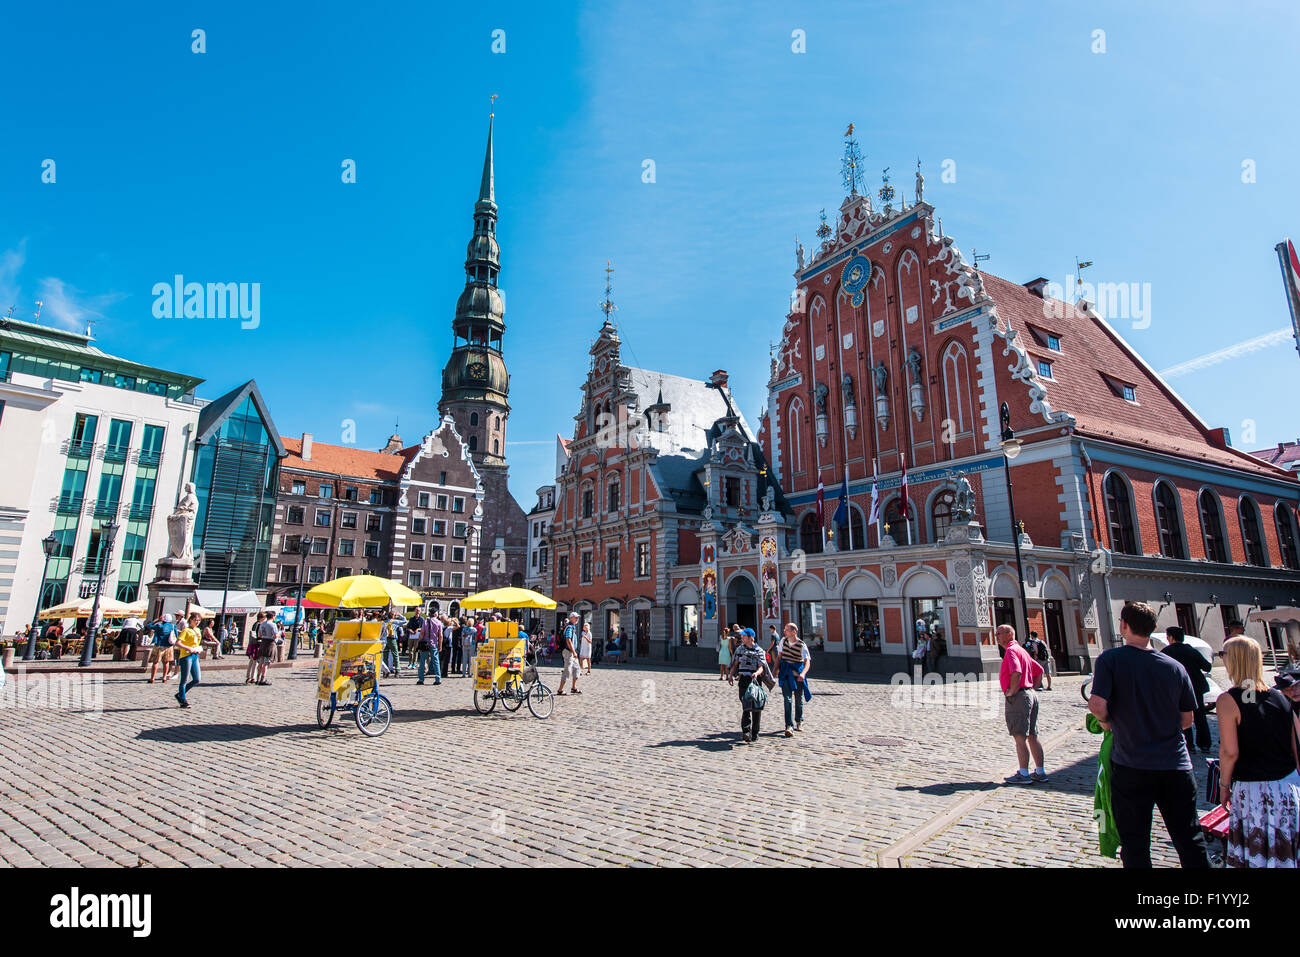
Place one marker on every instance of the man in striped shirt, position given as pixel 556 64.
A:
pixel 793 662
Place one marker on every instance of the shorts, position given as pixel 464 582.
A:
pixel 263 659
pixel 157 653
pixel 570 666
pixel 1022 713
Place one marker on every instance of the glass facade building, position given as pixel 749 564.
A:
pixel 236 476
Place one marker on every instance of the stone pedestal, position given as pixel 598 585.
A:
pixel 172 588
pixel 964 534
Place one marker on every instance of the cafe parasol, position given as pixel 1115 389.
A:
pixel 81 608
pixel 507 598
pixel 363 591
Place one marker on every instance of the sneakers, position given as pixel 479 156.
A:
pixel 789 732
pixel 1039 777
pixel 798 725
pixel 744 736
pixel 1018 778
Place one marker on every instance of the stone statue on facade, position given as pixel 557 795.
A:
pixel 180 526
pixel 799 254
pixel 820 393
pixel 963 503
pixel 920 182
pixel 769 499
pixel 882 378
pixel 914 366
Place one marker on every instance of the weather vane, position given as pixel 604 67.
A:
pixel 492 105
pixel 886 190
pixel 851 164
pixel 824 230
pixel 608 307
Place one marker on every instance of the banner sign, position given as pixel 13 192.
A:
pixel 769 578
pixel 709 581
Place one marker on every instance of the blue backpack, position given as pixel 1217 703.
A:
pixel 164 634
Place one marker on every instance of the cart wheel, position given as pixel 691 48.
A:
pixel 485 701
pixel 540 701
pixel 324 713
pixel 374 715
pixel 513 696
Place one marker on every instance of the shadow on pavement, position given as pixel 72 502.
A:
pixel 401 715
pixel 947 788
pixel 189 733
pixel 722 741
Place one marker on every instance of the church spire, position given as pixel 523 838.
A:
pixel 487 188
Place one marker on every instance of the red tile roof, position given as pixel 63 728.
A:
pixel 1093 356
pixel 1283 453
pixel 343 460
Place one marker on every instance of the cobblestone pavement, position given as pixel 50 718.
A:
pixel 644 768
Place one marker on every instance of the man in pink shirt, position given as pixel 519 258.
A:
pixel 1019 674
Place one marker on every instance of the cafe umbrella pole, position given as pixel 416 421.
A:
pixel 108 531
pixel 48 544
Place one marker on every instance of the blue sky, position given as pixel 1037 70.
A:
pixel 226 166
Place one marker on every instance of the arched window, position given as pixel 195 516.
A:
pixel 1252 538
pixel 851 535
pixel 1119 514
pixel 1284 518
pixel 941 514
pixel 900 528
pixel 1169 521
pixel 473 419
pixel 587 502
pixel 956 392
pixel 1216 548
pixel 794 452
pixel 496 447
pixel 614 496
pixel 810 534
pixel 473 443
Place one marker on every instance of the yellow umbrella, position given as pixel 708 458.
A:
pixel 194 608
pixel 508 598
pixel 363 591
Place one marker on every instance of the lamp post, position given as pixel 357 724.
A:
pixel 1010 449
pixel 48 544
pixel 304 548
pixel 107 532
pixel 231 555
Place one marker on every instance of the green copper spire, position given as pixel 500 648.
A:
pixel 487 189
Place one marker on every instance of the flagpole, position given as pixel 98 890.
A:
pixel 1289 280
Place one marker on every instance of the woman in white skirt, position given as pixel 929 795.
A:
pixel 1258 760
pixel 584 648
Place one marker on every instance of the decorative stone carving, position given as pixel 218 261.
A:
pixel 738 541
pixel 980 586
pixel 889 575
pixel 850 406
pixel 881 375
pixel 820 392
pixel 180 526
pixel 769 499
pixel 832 578
pixel 917 388
pixel 961 570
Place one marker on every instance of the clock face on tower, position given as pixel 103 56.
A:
pixel 477 370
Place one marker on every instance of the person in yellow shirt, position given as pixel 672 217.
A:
pixel 188 645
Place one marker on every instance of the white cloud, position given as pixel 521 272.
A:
pixel 67 306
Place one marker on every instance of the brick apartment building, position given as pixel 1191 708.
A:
pixel 404 513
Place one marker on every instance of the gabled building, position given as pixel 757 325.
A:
pixel 656 463
pixel 895 362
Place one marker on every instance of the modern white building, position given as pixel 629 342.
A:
pixel 86 438
pixel 538 576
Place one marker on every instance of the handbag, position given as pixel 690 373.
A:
pixel 755 695
pixel 1212 780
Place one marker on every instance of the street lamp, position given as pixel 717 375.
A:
pixel 107 532
pixel 48 544
pixel 231 555
pixel 304 547
pixel 1011 449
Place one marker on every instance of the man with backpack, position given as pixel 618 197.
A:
pixel 164 636
pixel 1039 651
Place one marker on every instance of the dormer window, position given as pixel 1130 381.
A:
pixel 1130 394
pixel 1054 343
pixel 1045 369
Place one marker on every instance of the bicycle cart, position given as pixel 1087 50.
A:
pixel 518 683
pixel 505 666
pixel 349 679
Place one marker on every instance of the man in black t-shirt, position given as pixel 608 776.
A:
pixel 1146 699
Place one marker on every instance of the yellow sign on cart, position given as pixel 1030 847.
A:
pixel 347 649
